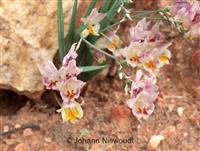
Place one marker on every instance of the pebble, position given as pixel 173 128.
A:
pixel 168 131
pixel 6 128
pixel 27 132
pixel 185 134
pixel 47 139
pixel 17 126
pixel 155 141
pixel 170 107
pixel 180 111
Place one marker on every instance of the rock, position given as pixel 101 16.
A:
pixel 47 139
pixel 17 126
pixel 185 134
pixel 28 37
pixel 6 128
pixel 22 147
pixel 168 131
pixel 27 132
pixel 155 141
pixel 180 111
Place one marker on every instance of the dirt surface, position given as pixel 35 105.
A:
pixel 106 115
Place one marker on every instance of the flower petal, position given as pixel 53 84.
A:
pixel 71 55
pixel 50 75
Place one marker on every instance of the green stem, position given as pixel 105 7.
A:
pixel 105 53
pixel 106 37
pixel 134 16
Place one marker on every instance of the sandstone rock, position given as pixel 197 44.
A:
pixel 169 131
pixel 180 111
pixel 28 37
pixel 155 141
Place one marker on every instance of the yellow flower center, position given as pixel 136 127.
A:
pixel 113 45
pixel 69 93
pixel 142 110
pixel 163 58
pixel 150 64
pixel 72 114
pixel 135 58
pixel 90 29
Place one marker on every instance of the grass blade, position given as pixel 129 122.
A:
pixel 60 24
pixel 90 7
pixel 111 13
pixel 92 68
pixel 71 31
pixel 106 6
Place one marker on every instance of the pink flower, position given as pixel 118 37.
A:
pixel 111 42
pixel 94 17
pixel 189 16
pixel 69 71
pixel 156 58
pixel 92 22
pixel 143 83
pixel 151 65
pixel 53 78
pixel 71 55
pixel 70 89
pixel 71 111
pixel 142 106
pixel 133 53
pixel 146 31
pixel 179 4
pixel 50 75
pixel 162 54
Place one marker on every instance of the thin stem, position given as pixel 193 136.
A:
pixel 134 16
pixel 107 54
pixel 56 98
pixel 106 37
pixel 78 44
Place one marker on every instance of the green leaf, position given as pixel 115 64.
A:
pixel 60 24
pixel 106 6
pixel 84 131
pixel 90 7
pixel 71 32
pixel 128 81
pixel 92 68
pixel 84 55
pixel 111 13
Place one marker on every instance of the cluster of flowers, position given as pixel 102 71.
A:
pixel 146 53
pixel 188 14
pixel 65 80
